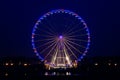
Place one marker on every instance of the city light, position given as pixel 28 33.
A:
pixel 25 64
pixel 11 64
pixel 6 74
pixel 109 64
pixel 115 64
pixel 6 64
pixel 96 64
pixel 8 69
pixel 46 73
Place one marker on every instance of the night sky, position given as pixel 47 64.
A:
pixel 17 18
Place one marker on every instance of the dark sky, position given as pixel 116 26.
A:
pixel 17 18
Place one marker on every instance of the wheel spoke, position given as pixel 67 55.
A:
pixel 71 39
pixel 73 47
pixel 76 44
pixel 70 29
pixel 48 36
pixel 43 40
pixel 48 47
pixel 70 50
pixel 73 32
pixel 76 35
pixel 54 55
pixel 68 26
pixel 50 28
pixel 50 51
pixel 45 31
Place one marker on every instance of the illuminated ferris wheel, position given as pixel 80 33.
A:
pixel 60 37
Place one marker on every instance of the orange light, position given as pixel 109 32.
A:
pixel 25 64
pixel 11 64
pixel 6 74
pixel 6 64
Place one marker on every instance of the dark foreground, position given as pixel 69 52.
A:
pixel 90 76
pixel 99 68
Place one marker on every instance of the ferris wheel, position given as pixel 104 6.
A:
pixel 60 36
